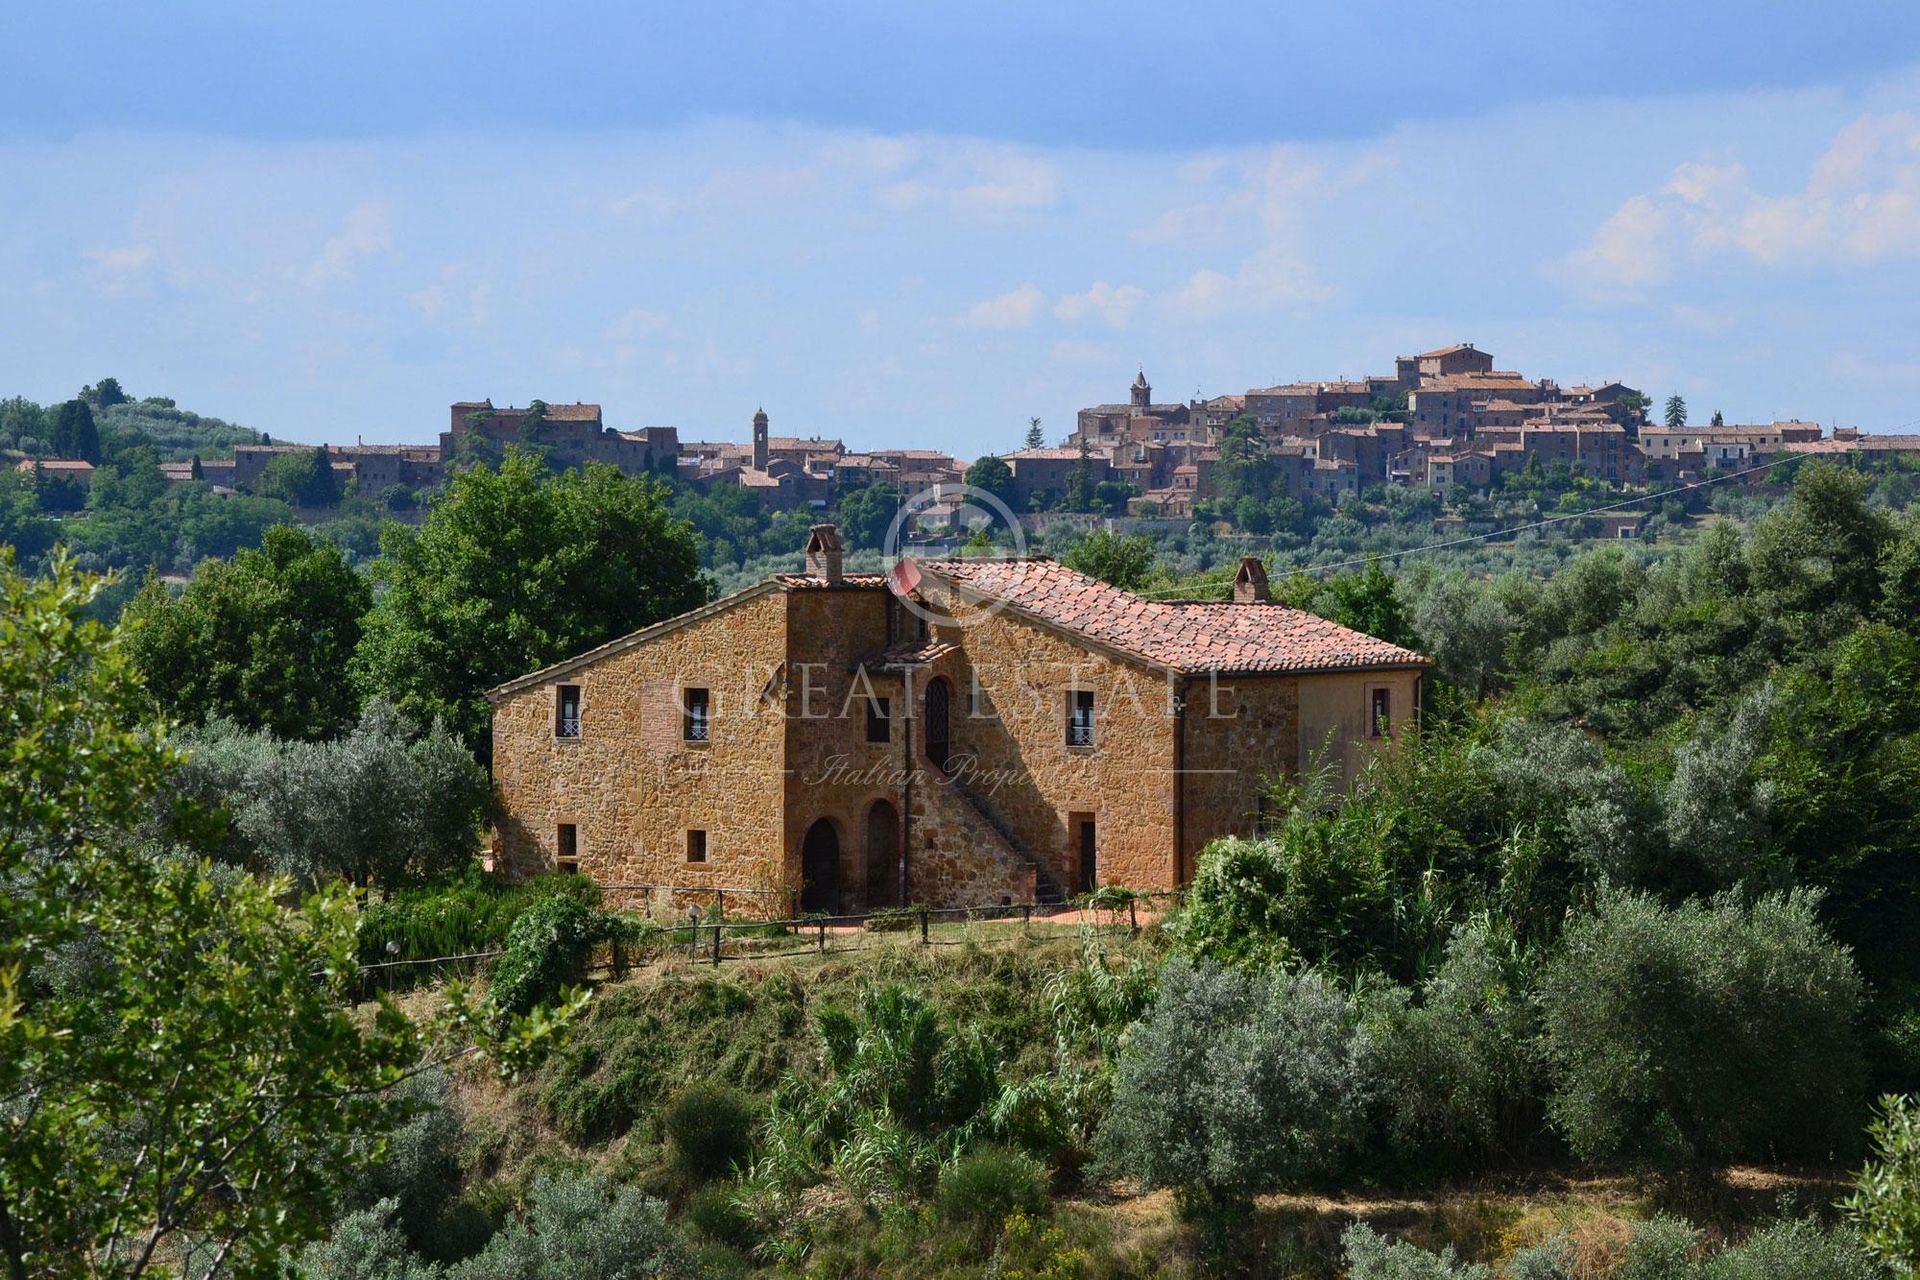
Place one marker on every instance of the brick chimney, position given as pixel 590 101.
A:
pixel 1250 582
pixel 823 552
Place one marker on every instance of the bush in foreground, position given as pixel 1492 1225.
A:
pixel 1234 1084
pixel 1701 1034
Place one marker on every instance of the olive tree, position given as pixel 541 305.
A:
pixel 1704 1033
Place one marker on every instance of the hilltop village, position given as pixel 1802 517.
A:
pixel 1444 421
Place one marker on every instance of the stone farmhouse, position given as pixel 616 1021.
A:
pixel 950 733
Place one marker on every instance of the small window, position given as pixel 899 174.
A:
pixel 699 717
pixel 1080 718
pixel 566 711
pixel 566 843
pixel 1380 721
pixel 879 720
pixel 696 846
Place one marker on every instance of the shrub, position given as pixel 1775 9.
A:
pixel 362 1246
pixel 471 914
pixel 581 1227
pixel 982 1189
pixel 716 1213
pixel 1458 1077
pixel 710 1130
pixel 1704 1033
pixel 1885 1204
pixel 1233 1084
pixel 1371 1256
pixel 420 1171
pixel 547 950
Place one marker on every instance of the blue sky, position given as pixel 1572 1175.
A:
pixel 922 223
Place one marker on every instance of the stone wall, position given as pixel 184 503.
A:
pixel 1241 733
pixel 833 773
pixel 630 785
pixel 1010 684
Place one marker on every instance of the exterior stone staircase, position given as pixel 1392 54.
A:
pixel 962 857
pixel 1046 888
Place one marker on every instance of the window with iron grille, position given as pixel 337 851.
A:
pixel 699 718
pixel 1080 718
pixel 566 711
pixel 1381 706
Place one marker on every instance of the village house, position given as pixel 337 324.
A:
pixel 951 733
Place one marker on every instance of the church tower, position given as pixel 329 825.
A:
pixel 760 440
pixel 1142 393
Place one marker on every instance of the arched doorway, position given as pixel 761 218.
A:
pixel 883 856
pixel 939 726
pixel 820 869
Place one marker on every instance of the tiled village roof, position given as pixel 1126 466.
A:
pixel 1445 351
pixel 1191 636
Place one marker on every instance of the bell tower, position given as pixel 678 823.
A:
pixel 760 440
pixel 1142 393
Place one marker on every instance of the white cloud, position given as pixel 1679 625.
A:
pixel 1111 304
pixel 1860 204
pixel 366 230
pixel 977 180
pixel 124 260
pixel 1015 309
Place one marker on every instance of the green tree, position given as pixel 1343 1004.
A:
pixel 1080 481
pixel 1635 405
pixel 1036 438
pixel 1718 420
pixel 386 803
pixel 181 1066
pixel 1885 1204
pixel 1701 1034
pixel 104 394
pixel 1245 469
pixel 866 514
pixel 303 479
pixel 992 475
pixel 265 640
pixel 515 569
pixel 1676 411
pixel 533 427
pixel 198 472
pixel 74 432
pixel 1124 562
pixel 1234 1084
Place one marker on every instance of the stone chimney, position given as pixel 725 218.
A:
pixel 1250 582
pixel 823 552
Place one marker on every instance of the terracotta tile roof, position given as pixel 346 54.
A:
pixel 1188 636
pixel 802 582
pixel 911 653
pixel 1446 351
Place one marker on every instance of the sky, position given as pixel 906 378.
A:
pixel 921 224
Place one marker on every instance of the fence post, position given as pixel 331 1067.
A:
pixel 823 936
pixel 720 903
pixel 923 926
pixel 693 944
pixel 719 925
